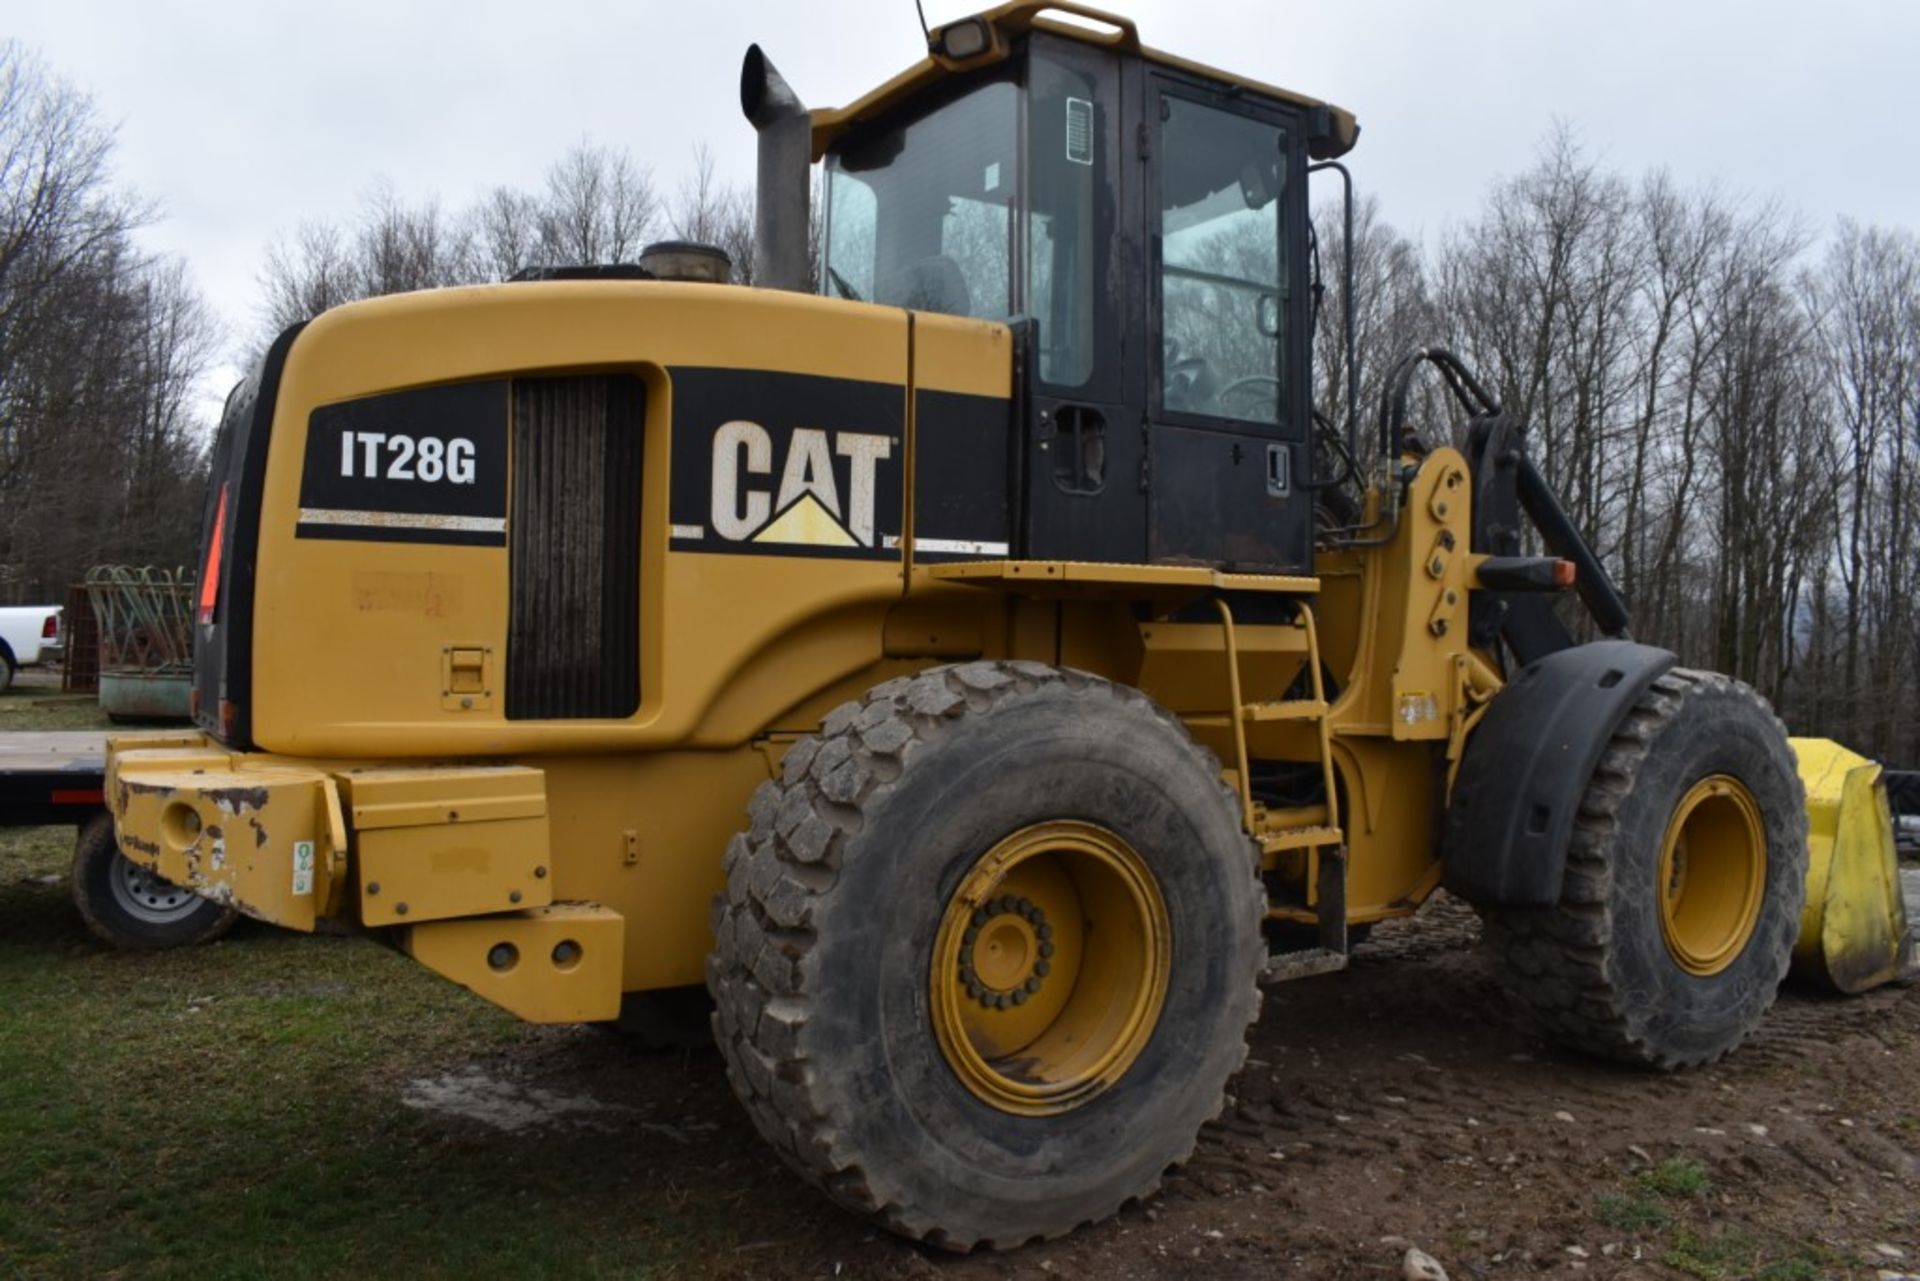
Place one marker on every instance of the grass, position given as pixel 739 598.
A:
pixel 1632 1212
pixel 1666 1204
pixel 38 707
pixel 1730 1254
pixel 1677 1177
pixel 234 1110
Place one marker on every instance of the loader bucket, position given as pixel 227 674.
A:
pixel 1854 933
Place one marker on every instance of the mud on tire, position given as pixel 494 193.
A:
pixel 1595 969
pixel 824 941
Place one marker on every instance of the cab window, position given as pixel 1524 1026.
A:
pixel 1070 196
pixel 1222 285
pixel 923 215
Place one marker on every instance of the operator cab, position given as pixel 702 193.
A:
pixel 1141 223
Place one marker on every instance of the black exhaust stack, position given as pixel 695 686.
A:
pixel 781 193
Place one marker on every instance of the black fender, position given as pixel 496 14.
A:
pixel 1504 842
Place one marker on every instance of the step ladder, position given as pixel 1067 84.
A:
pixel 1316 831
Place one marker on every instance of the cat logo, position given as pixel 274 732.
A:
pixel 807 507
pixel 778 464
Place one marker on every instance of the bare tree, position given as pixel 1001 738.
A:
pixel 505 231
pixel 712 212
pixel 599 207
pixel 99 348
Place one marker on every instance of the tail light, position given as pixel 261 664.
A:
pixel 50 630
pixel 210 571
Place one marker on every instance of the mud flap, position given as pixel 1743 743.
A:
pixel 1527 766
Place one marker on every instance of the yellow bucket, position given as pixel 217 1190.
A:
pixel 1854 932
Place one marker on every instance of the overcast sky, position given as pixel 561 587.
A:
pixel 242 118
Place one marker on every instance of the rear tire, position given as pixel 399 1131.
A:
pixel 858 952
pixel 129 907
pixel 1685 878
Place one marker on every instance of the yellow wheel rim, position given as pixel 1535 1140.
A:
pixel 1713 874
pixel 1050 968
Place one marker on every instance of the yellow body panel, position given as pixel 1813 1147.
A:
pixel 557 964
pixel 646 834
pixel 437 843
pixel 1854 932
pixel 376 622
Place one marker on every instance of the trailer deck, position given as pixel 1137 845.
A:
pixel 53 777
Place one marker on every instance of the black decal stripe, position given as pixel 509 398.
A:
pixel 401 534
pixel 473 413
pixel 720 546
pixel 960 486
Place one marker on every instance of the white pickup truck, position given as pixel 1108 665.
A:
pixel 27 633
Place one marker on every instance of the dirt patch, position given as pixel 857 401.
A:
pixel 473 1095
pixel 1402 1102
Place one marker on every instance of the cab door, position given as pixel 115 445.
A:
pixel 1085 450
pixel 1226 331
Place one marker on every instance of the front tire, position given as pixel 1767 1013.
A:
pixel 1685 878
pixel 128 906
pixel 988 954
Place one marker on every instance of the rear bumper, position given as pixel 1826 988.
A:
pixel 266 837
pixel 454 856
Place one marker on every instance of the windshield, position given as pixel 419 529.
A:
pixel 923 215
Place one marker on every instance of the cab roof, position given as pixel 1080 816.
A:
pixel 1000 26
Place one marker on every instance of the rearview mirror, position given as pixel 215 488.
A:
pixel 1259 183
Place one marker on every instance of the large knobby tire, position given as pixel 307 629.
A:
pixel 858 886
pixel 129 907
pixel 1685 878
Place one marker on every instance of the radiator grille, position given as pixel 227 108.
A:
pixel 573 534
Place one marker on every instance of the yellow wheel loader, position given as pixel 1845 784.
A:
pixel 981 673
